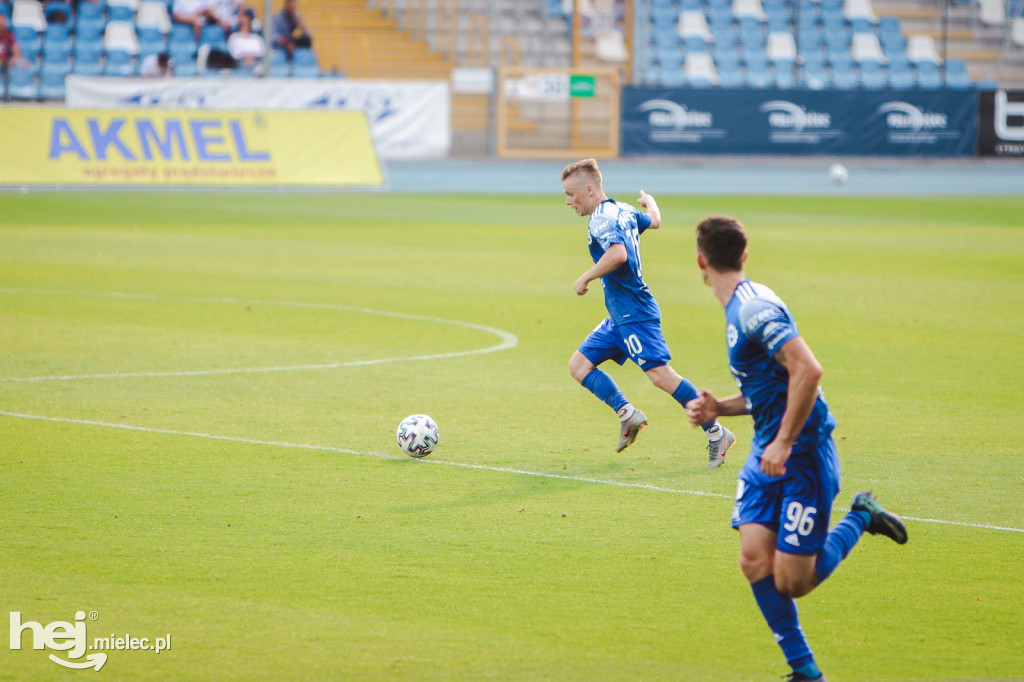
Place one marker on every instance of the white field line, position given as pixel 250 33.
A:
pixel 464 465
pixel 507 339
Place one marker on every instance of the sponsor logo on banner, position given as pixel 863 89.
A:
pixel 908 124
pixel 673 122
pixel 790 123
pixel 126 147
pixel 1001 123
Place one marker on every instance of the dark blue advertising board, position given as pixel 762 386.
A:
pixel 663 121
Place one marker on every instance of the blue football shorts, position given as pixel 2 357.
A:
pixel 641 342
pixel 797 505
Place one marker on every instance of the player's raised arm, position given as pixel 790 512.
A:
pixel 650 206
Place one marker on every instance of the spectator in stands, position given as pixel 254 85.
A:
pixel 290 30
pixel 197 13
pixel 157 65
pixel 229 13
pixel 56 11
pixel 10 53
pixel 246 47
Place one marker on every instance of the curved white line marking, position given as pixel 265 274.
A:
pixel 507 339
pixel 464 465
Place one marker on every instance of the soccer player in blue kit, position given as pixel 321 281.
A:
pixel 786 488
pixel 632 329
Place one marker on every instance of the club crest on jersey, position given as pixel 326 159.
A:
pixel 732 335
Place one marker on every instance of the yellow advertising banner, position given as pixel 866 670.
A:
pixel 161 147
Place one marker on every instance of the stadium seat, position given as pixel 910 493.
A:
pixel 859 9
pixel 57 52
pixel 991 12
pixel 28 40
pixel 21 83
pixel 120 35
pixel 866 48
pixel 119 62
pixel 781 47
pixel 304 64
pixel 694 24
pixel 957 77
pixel 758 73
pixel 928 76
pixel 279 66
pixel 185 66
pixel 57 34
pixel 749 8
pixel 900 79
pixel 814 77
pixel 51 83
pixel 28 13
pixel 844 77
pixel 872 76
pixel 151 41
pixel 153 14
pixel 921 48
pixel 120 13
pixel 730 76
pixel 700 70
pixel 785 74
pixel 87 55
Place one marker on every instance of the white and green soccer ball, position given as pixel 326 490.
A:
pixel 417 435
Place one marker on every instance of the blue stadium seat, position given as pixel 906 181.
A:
pixel 120 13
pixel 21 83
pixel 872 77
pixel 758 73
pixel 57 53
pixel 185 66
pixel 57 34
pixel 279 66
pixel 151 41
pixel 844 77
pixel 731 76
pixel 928 76
pixel 815 77
pixel 28 39
pixel 213 35
pixel 87 58
pixel 119 63
pixel 304 64
pixel 785 74
pixel 51 83
pixel 957 77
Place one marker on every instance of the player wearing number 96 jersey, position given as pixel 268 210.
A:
pixel 632 329
pixel 786 488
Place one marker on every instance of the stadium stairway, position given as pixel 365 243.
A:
pixel 360 42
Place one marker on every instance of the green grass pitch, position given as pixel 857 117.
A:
pixel 199 394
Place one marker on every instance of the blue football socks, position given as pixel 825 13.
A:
pixel 605 388
pixel 839 542
pixel 780 613
pixel 684 394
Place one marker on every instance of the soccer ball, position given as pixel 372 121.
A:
pixel 417 435
pixel 837 173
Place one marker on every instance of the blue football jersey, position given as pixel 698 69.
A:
pixel 758 324
pixel 626 295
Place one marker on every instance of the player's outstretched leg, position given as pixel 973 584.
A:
pixel 881 522
pixel 718 447
pixel 632 422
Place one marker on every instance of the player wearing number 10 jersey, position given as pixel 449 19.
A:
pixel 786 488
pixel 633 327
